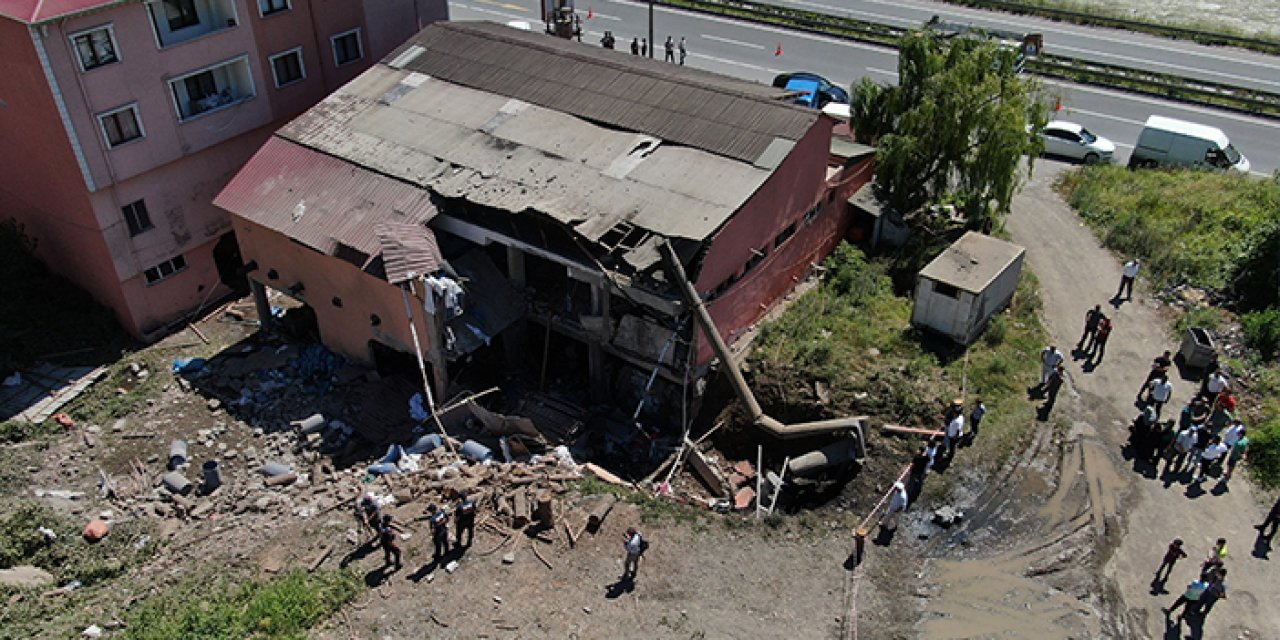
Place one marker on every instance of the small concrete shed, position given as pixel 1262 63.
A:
pixel 968 283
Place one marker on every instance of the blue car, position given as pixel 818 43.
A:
pixel 826 91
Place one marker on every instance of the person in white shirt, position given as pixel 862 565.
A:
pixel 1050 358
pixel 1185 441
pixel 1127 276
pixel 1232 435
pixel 897 504
pixel 1211 455
pixel 955 429
pixel 1160 390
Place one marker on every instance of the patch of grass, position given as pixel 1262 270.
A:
pixel 220 609
pixel 68 556
pixel 854 333
pixel 1204 317
pixel 1262 332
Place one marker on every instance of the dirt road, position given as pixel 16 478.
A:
pixel 1075 273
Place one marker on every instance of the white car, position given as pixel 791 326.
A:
pixel 1070 140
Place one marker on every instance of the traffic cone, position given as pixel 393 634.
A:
pixel 778 51
pixel 1057 106
pixel 590 14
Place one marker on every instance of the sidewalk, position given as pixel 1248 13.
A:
pixel 1075 274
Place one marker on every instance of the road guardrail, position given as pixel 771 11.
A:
pixel 1162 85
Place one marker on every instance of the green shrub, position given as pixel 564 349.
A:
pixel 1264 452
pixel 1262 331
pixel 68 556
pixel 996 331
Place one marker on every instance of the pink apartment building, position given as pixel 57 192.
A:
pixel 121 120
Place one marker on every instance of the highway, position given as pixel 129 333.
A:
pixel 749 51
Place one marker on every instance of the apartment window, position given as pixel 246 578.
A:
pixel 784 235
pixel 811 214
pixel 95 48
pixel 121 125
pixel 181 14
pixel 165 269
pixel 346 47
pixel 268 7
pixel 135 216
pixel 287 67
pixel 212 88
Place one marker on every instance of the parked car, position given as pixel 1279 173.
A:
pixel 827 92
pixel 1178 143
pixel 1070 140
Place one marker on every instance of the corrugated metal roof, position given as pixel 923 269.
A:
pixel 972 262
pixel 408 251
pixel 37 11
pixel 321 201
pixel 707 111
pixel 514 156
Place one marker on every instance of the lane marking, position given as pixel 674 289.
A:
pixel 1166 104
pixel 884 72
pixel 740 43
pixel 504 5
pixel 1107 116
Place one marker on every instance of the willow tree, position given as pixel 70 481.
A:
pixel 956 125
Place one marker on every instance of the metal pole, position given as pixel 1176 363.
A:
pixel 652 42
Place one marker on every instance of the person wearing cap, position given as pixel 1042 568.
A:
pixel 387 538
pixel 439 520
pixel 955 429
pixel 897 504
pixel 975 417
pixel 464 516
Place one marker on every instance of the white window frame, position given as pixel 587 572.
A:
pixel 173 98
pixel 333 46
pixel 115 45
pixel 262 12
pixel 163 277
pixel 302 66
pixel 137 119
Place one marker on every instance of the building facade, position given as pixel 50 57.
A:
pixel 123 119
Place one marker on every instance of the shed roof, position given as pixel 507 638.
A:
pixel 408 251
pixel 322 201
pixel 37 11
pixel 972 262
pixel 707 111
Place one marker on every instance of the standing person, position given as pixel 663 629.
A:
pixel 1219 552
pixel 577 27
pixel 1211 456
pixel 1159 369
pixel 644 47
pixel 464 519
pixel 1270 522
pixel 975 417
pixel 683 52
pixel 1171 556
pixel 608 40
pixel 1239 452
pixel 1050 358
pixel 1233 433
pixel 635 46
pixel 898 501
pixel 1164 444
pixel 1159 392
pixel 387 538
pixel 1182 446
pixel 1217 591
pixel 1091 319
pixel 1098 343
pixel 634 544
pixel 1054 385
pixel 369 514
pixel 1214 384
pixel 932 450
pixel 439 520
pixel 1127 276
pixel 1190 597
pixel 955 429
pixel 916 472
pixel 670 50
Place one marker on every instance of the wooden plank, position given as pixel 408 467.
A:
pixel 894 428
pixel 604 474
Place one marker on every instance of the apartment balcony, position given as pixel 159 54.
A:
pixel 214 88
pixel 178 21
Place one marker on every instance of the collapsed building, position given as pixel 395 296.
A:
pixel 487 200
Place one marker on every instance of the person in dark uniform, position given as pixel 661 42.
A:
pixel 464 520
pixel 387 538
pixel 635 46
pixel 369 515
pixel 439 519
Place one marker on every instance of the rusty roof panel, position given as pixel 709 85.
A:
pixel 408 251
pixel 320 200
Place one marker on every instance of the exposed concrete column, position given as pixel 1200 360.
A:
pixel 435 346
pixel 515 337
pixel 262 305
pixel 595 350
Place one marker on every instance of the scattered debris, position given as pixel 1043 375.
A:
pixel 96 530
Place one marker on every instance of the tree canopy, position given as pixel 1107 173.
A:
pixel 955 126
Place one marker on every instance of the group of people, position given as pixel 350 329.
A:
pixel 386 531
pixel 640 47
pixel 939 446
pixel 1206 589
pixel 1206 438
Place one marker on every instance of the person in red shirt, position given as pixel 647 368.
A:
pixel 1098 342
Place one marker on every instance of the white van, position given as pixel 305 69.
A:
pixel 1178 143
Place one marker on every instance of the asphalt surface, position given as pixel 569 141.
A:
pixel 750 51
